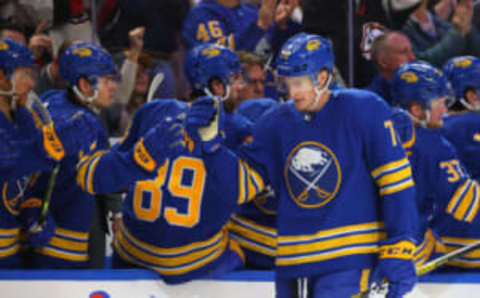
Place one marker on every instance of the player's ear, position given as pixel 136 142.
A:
pixel 416 110
pixel 470 96
pixel 85 87
pixel 217 87
pixel 322 77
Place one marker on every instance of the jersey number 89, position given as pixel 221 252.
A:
pixel 193 193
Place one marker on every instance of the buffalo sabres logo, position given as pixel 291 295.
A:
pixel 266 201
pixel 82 52
pixel 312 174
pixel 313 44
pixel 462 62
pixel 3 45
pixel 409 77
pixel 211 52
pixel 14 191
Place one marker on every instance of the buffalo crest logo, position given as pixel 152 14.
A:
pixel 312 174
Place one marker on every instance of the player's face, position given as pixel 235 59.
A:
pixel 23 78
pixel 254 85
pixel 472 95
pixel 106 91
pixel 302 91
pixel 236 85
pixel 437 109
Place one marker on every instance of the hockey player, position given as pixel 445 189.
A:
pixel 254 225
pixel 188 197
pixel 344 183
pixel 462 126
pixel 62 242
pixel 444 189
pixel 24 148
pixel 236 25
pixel 216 70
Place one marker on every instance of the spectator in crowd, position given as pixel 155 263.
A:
pixel 132 91
pixel 13 32
pixel 330 19
pixel 254 75
pixel 389 51
pixel 163 20
pixel 49 76
pixel 118 117
pixel 436 41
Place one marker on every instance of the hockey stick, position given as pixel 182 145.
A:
pixel 47 119
pixel 157 80
pixel 432 265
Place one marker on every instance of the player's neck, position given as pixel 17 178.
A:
pixel 5 107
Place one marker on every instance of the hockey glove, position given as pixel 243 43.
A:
pixel 204 123
pixel 160 142
pixel 39 234
pixel 69 137
pixel 396 264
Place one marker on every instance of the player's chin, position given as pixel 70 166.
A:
pixel 300 105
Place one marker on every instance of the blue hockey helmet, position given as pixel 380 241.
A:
pixel 305 54
pixel 85 60
pixel 463 72
pixel 13 55
pixel 418 82
pixel 207 61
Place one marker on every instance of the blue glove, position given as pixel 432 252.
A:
pixel 39 234
pixel 159 143
pixel 204 123
pixel 69 137
pixel 396 264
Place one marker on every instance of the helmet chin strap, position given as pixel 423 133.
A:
pixel 11 93
pixel 87 99
pixel 423 123
pixel 223 98
pixel 319 93
pixel 475 107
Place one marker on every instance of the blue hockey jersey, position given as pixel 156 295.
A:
pixel 343 183
pixel 174 222
pixel 254 224
pixel 235 28
pixel 71 208
pixel 463 131
pixel 22 155
pixel 444 190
